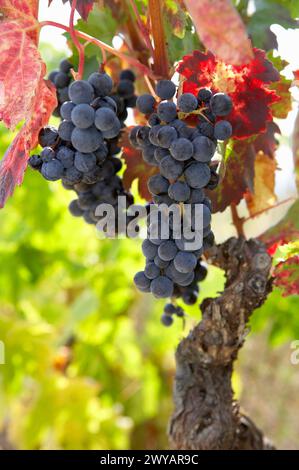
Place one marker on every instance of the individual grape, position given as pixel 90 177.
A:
pixel 214 180
pixel 102 152
pixel 151 270
pixel 165 89
pixel 206 216
pixel 105 119
pixel 203 149
pixel 197 196
pixel 157 184
pixel 66 110
pixel 113 132
pixel 200 272
pixel 197 175
pixel 85 162
pixel 52 75
pixel 153 134
pixel 187 103
pixel 125 88
pixel 66 156
pixel 141 281
pixel 206 129
pixel 162 287
pixel 35 162
pixel 48 136
pixel 185 262
pixel 167 250
pixel 65 130
pixel 65 66
pixel 204 94
pixel 179 191
pixel 207 201
pixel 86 140
pixel 170 309
pixel 104 102
pixel 167 111
pixel 127 74
pixel 74 208
pixel 52 170
pixel 208 241
pixel 161 263
pixel 189 297
pixel 223 130
pixel 80 91
pixel 166 320
pixel 63 94
pixel 148 155
pixel 47 154
pixel 72 175
pixel 146 103
pixel 101 83
pixel 149 249
pixel 181 149
pixel 83 116
pixel 142 136
pixel 170 168
pixel 166 135
pixel 154 120
pixel 221 104
pixel 61 80
pixel 160 153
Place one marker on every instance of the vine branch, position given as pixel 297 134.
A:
pixel 161 65
pixel 206 417
pixel 237 221
pixel 80 47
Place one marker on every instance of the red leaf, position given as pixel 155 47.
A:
pixel 221 30
pixel 136 167
pixel 21 69
pixel 286 276
pixel 246 85
pixel 13 165
pixel 83 7
pixel 25 11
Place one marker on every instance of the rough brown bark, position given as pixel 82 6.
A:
pixel 206 416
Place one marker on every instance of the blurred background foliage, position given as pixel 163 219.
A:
pixel 87 363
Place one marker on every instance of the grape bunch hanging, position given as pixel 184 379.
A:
pixel 82 151
pixel 183 153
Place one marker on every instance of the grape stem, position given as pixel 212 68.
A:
pixel 237 221
pixel 131 60
pixel 161 65
pixel 80 47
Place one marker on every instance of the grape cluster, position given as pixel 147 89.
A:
pixel 181 140
pixel 61 79
pixel 82 151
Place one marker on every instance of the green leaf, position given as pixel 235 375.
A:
pixel 178 47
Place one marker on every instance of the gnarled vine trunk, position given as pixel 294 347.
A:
pixel 206 415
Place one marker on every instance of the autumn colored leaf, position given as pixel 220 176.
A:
pixel 238 176
pixel 14 163
pixel 286 276
pixel 247 85
pixel 221 30
pixel 83 7
pixel 21 69
pixel 263 195
pixel 286 230
pixel 136 167
pixel 25 12
pixel 175 14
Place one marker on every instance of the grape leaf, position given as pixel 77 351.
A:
pixel 286 230
pixel 83 7
pixel 239 173
pixel 295 146
pixel 21 69
pixel 259 24
pixel 221 30
pixel 176 16
pixel 263 195
pixel 26 11
pixel 286 276
pixel 13 165
pixel 136 167
pixel 248 86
